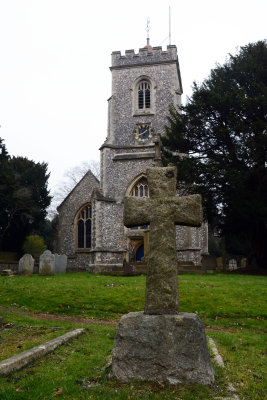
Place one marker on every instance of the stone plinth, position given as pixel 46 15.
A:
pixel 165 348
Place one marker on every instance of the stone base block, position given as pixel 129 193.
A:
pixel 164 348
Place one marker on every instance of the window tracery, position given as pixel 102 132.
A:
pixel 84 227
pixel 140 189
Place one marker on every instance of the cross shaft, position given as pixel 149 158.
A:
pixel 162 211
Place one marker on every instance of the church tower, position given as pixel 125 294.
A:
pixel 144 85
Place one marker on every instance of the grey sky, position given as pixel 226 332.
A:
pixel 55 58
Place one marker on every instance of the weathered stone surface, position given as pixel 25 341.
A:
pixel 60 263
pixel 47 263
pixel 162 210
pixel 232 265
pixel 21 360
pixel 166 348
pixel 7 272
pixel 26 265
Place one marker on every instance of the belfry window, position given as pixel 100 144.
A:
pixel 144 95
pixel 84 228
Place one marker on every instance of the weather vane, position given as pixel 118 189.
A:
pixel 147 29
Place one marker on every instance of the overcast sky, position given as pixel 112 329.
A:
pixel 55 58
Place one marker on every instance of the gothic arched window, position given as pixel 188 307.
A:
pixel 140 189
pixel 84 227
pixel 144 95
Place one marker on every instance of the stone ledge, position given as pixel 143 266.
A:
pixel 133 156
pixel 128 147
pixel 21 360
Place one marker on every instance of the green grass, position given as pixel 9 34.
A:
pixel 232 307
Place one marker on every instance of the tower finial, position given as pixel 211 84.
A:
pixel 170 39
pixel 147 29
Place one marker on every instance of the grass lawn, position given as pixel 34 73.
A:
pixel 232 307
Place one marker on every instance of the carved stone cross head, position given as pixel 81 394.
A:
pixel 162 211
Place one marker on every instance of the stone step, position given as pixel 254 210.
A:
pixel 138 268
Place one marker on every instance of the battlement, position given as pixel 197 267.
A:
pixel 146 55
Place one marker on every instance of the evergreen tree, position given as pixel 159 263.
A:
pixel 222 129
pixel 5 189
pixel 24 198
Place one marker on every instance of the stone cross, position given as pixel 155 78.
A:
pixel 162 210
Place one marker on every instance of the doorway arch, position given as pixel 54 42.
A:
pixel 140 252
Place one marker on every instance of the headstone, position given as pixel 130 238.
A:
pixel 243 263
pixel 26 264
pixel 209 262
pixel 219 262
pixel 232 265
pixel 162 344
pixel 60 263
pixel 7 272
pixel 47 263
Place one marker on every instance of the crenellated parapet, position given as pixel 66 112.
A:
pixel 146 55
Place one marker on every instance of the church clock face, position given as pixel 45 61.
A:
pixel 143 132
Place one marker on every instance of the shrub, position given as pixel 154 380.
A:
pixel 34 245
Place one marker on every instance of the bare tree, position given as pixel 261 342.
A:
pixel 70 179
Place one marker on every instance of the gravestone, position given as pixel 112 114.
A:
pixel 60 263
pixel 232 265
pixel 243 263
pixel 219 261
pixel 47 263
pixel 26 264
pixel 161 343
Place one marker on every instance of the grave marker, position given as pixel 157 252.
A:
pixel 60 263
pixel 47 263
pixel 162 344
pixel 26 264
